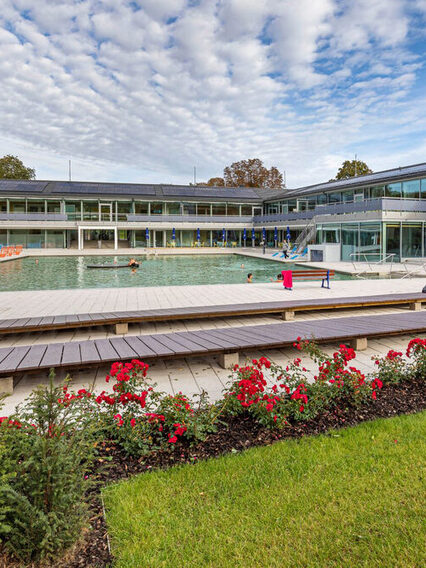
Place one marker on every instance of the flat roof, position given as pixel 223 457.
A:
pixel 166 192
pixel 395 174
pixel 161 192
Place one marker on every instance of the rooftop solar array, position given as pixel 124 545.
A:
pixel 417 170
pixel 176 192
pixel 22 186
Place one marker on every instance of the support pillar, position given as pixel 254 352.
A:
pixel 288 315
pixel 228 360
pixel 359 343
pixel 6 385
pixel 115 238
pixel 121 328
pixel 416 306
pixel 79 238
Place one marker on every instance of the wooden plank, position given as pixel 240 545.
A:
pixel 106 350
pixel 33 358
pixel 123 349
pixel 88 351
pixel 71 353
pixel 152 343
pixel 235 339
pixel 4 352
pixel 53 355
pixel 210 344
pixel 186 341
pixel 139 347
pixel 11 361
pixel 21 322
pixel 209 335
pixel 171 344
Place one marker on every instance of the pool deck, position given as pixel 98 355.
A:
pixel 94 300
pixel 192 375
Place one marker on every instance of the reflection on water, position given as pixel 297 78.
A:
pixel 174 270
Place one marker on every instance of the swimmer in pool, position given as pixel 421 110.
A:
pixel 133 263
pixel 242 266
pixel 278 279
pixel 249 278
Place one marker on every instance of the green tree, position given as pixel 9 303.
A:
pixel 11 167
pixel 252 173
pixel 352 168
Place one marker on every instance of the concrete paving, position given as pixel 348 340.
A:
pixel 194 375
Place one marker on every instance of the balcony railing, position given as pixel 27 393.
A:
pixel 218 219
pixel 32 217
pixel 380 204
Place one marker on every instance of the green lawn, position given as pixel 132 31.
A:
pixel 353 498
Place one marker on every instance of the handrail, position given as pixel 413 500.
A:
pixel 371 264
pixel 420 267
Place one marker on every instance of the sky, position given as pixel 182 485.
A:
pixel 144 90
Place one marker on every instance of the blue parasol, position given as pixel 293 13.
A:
pixel 275 234
pixel 173 234
pixel 264 234
pixel 147 234
pixel 288 233
pixel 198 235
pixel 244 235
pixel 223 235
pixel 253 234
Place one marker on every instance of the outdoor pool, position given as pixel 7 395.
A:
pixel 60 272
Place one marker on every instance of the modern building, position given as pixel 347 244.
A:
pixel 377 214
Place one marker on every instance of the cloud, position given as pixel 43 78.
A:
pixel 143 90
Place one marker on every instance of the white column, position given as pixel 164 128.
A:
pixel 79 238
pixel 115 238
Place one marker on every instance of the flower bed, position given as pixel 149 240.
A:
pixel 64 439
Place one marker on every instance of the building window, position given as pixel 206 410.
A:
pixel 411 242
pixel 233 210
pixel 219 209
pixel 173 208
pixel 247 210
pixel 204 209
pixel 16 206
pixel 156 208
pixel 370 241
pixel 141 207
pixel 53 207
pixel 35 207
pixel 393 189
pixel 189 208
pixel 411 189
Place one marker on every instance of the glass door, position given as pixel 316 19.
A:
pixel 105 212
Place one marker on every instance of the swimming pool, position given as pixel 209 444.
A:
pixel 60 272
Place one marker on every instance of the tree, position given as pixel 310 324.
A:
pixel 217 182
pixel 352 169
pixel 11 167
pixel 252 173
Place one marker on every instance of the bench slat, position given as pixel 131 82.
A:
pixel 10 362
pixel 33 357
pixel 53 355
pixel 71 353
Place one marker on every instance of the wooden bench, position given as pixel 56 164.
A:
pixel 323 275
pixel 120 320
pixel 225 342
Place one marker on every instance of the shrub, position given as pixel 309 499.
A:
pixel 140 419
pixel 391 369
pixel 416 351
pixel 49 450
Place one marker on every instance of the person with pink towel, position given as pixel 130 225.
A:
pixel 287 279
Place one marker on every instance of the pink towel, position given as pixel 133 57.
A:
pixel 287 279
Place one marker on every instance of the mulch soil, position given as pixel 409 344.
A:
pixel 237 434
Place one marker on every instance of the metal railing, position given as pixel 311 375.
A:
pixel 372 265
pixel 419 268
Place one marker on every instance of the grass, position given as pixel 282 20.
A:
pixel 352 498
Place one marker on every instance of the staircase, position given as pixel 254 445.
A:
pixel 306 236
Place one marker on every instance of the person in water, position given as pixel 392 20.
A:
pixel 133 263
pixel 279 278
pixel 249 278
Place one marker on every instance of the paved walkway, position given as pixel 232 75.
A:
pixel 95 300
pixel 191 376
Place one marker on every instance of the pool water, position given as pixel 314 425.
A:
pixel 60 272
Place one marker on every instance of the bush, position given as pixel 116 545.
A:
pixel 140 419
pixel 416 351
pixel 49 450
pixel 391 369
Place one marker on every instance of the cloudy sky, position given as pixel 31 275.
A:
pixel 144 90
